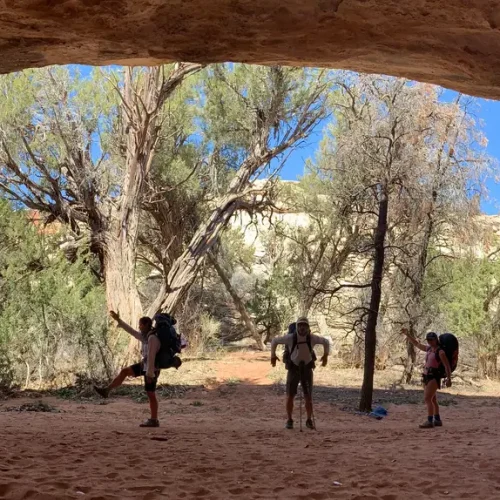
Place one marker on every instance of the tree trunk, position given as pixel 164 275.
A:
pixel 142 101
pixel 238 302
pixel 410 361
pixel 411 357
pixel 488 365
pixel 306 305
pixel 365 403
pixel 122 295
pixel 184 269
pixel 356 352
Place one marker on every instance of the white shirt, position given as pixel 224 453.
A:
pixel 150 347
pixel 301 352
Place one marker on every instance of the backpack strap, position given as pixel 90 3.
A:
pixel 294 343
pixel 441 368
pixel 309 343
pixel 438 357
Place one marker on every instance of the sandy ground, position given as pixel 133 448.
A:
pixel 228 441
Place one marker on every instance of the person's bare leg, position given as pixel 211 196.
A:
pixel 289 407
pixel 309 406
pixel 429 394
pixel 435 404
pixel 437 416
pixel 153 405
pixel 118 380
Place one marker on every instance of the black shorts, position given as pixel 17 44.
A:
pixel 138 371
pixel 426 378
pixel 294 376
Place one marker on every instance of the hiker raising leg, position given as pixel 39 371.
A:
pixel 150 346
pixel 435 358
pixel 299 358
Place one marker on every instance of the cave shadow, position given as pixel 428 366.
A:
pixel 346 398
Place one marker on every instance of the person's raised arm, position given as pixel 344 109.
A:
pixel 446 363
pixel 125 326
pixel 415 342
pixel 274 343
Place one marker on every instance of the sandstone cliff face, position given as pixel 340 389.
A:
pixel 455 43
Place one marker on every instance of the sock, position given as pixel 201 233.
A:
pixel 430 419
pixel 437 418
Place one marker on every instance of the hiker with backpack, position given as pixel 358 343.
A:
pixel 157 353
pixel 299 359
pixel 440 361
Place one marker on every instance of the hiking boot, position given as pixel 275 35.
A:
pixel 427 425
pixel 309 424
pixel 289 424
pixel 102 391
pixel 438 423
pixel 150 422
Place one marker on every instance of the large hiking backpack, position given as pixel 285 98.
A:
pixel 449 344
pixel 287 353
pixel 170 342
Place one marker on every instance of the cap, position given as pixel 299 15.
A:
pixel 302 320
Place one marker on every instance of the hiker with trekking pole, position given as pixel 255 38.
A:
pixel 299 359
pixel 441 359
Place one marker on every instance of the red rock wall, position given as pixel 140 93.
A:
pixel 455 43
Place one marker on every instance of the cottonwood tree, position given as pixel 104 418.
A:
pixel 376 151
pixel 261 113
pixel 101 154
pixel 436 217
pixel 81 150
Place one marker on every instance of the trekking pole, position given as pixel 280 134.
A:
pixel 301 371
pixel 312 408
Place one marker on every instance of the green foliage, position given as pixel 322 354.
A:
pixel 469 303
pixel 52 311
pixel 204 338
pixel 55 111
pixel 235 251
pixel 320 241
pixel 64 151
pixel 180 144
pixel 273 301
pixel 7 377
pixel 240 97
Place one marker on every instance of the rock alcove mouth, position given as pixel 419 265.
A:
pixel 452 43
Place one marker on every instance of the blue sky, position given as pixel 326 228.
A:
pixel 489 113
